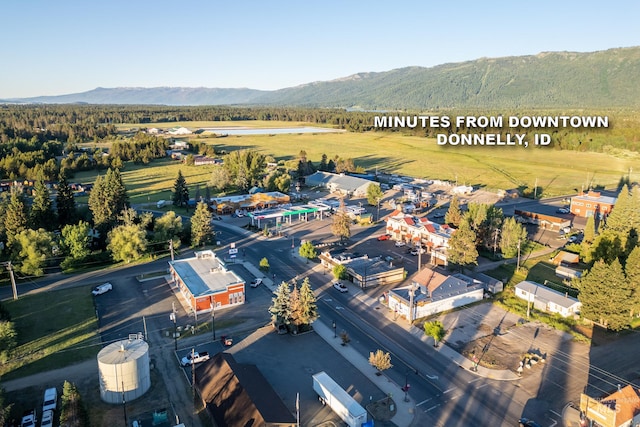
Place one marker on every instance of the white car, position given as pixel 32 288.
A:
pixel 104 288
pixel 47 418
pixel 400 244
pixel 256 282
pixel 339 286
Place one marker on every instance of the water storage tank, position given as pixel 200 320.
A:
pixel 123 368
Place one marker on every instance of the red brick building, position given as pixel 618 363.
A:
pixel 205 282
pixel 592 203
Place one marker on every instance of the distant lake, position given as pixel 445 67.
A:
pixel 267 131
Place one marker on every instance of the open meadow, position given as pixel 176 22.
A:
pixel 557 172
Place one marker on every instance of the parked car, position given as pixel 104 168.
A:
pixel 256 282
pixel 562 210
pixel 439 215
pixel 525 422
pixel 339 286
pixel 384 237
pixel 400 244
pixel 104 288
pixel 416 251
pixel 50 400
pixel 47 419
pixel 29 418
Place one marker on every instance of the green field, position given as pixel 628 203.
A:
pixel 557 172
pixel 55 329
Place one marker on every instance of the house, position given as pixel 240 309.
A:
pixel 345 184
pixel 565 258
pixel 205 160
pixel 179 130
pixel 592 203
pixel 548 222
pixel 547 299
pixel 206 283
pixel 432 292
pixel 619 409
pixel 237 394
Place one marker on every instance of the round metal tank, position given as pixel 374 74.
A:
pixel 124 372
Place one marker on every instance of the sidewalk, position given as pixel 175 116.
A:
pixel 405 410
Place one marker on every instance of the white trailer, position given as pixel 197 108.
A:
pixel 330 393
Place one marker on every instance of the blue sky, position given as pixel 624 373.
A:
pixel 66 46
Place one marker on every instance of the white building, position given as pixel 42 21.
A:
pixel 547 299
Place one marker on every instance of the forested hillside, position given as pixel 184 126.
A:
pixel 603 79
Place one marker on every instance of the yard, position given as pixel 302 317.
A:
pixel 55 329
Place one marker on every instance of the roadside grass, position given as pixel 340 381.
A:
pixel 55 329
pixel 558 172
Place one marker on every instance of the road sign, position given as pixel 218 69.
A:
pixel 233 251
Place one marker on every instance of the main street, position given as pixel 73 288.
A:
pixel 445 394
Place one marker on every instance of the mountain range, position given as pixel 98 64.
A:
pixel 602 79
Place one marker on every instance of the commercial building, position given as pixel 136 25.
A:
pixel 592 203
pixel 619 409
pixel 341 183
pixel 205 282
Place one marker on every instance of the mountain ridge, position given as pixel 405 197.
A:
pixel 600 79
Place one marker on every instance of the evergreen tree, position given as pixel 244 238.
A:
pixel 65 202
pixel 41 215
pixel 605 294
pixel 107 199
pixel 323 163
pixel 453 215
pixel 308 303
pixel 15 217
pixel 462 246
pixel 632 272
pixel 180 191
pixel 295 308
pixel 618 219
pixel 341 226
pixel 280 309
pixel 201 230
pixel 72 411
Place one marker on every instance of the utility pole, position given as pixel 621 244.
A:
pixel 518 265
pixel 175 326
pixel 535 190
pixel 193 381
pixel 213 319
pixel 171 248
pixel 420 254
pixel 13 280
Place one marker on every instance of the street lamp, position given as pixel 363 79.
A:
pixel 172 316
pixel 334 329
pixel 213 319
pixel 406 386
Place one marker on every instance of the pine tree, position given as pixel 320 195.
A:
pixel 618 219
pixel 107 199
pixel 41 215
pixel 15 217
pixel 605 294
pixel 201 230
pixel 462 246
pixel 341 226
pixel 65 202
pixel 295 308
pixel 280 309
pixel 308 303
pixel 453 215
pixel 632 272
pixel 180 191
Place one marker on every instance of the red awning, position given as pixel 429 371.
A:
pixel 389 227
pixel 416 239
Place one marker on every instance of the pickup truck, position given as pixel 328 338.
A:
pixel 29 419
pixel 194 358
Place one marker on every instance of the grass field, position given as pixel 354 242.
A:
pixel 54 329
pixel 557 172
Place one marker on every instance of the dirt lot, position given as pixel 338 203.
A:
pixel 500 340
